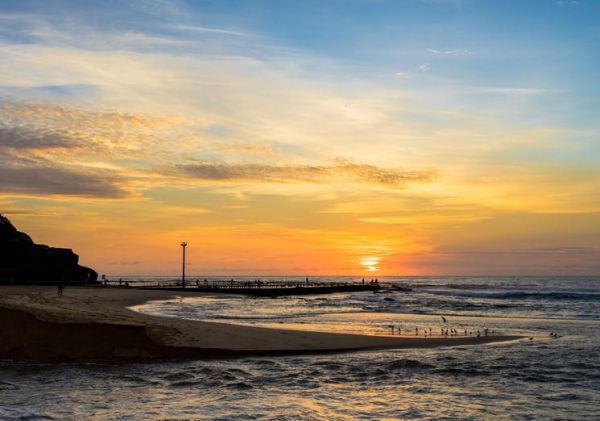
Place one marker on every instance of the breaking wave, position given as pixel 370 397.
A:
pixel 526 295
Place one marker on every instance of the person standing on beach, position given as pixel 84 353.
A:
pixel 60 290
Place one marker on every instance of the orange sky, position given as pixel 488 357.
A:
pixel 276 157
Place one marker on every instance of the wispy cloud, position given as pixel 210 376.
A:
pixel 563 3
pixel 455 3
pixel 58 143
pixel 454 52
pixel 425 67
pixel 161 8
pixel 205 29
pixel 510 91
pixel 342 171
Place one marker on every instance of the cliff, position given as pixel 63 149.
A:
pixel 24 262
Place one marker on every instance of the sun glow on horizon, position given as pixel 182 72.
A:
pixel 370 263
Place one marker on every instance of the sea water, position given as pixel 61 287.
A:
pixel 543 378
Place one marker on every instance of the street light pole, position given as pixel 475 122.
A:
pixel 183 246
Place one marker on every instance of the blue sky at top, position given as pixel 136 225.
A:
pixel 529 46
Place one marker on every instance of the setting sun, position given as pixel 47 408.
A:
pixel 370 263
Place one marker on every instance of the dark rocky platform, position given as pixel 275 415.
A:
pixel 24 262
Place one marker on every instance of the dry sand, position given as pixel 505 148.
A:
pixel 94 324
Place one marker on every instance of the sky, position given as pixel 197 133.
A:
pixel 356 137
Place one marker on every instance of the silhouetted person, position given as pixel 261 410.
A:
pixel 60 290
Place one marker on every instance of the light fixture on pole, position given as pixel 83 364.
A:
pixel 183 246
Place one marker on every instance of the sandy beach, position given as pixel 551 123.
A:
pixel 94 324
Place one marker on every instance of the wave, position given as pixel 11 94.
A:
pixel 524 295
pixel 406 363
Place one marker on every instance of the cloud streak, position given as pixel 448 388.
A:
pixel 511 91
pixel 454 52
pixel 49 180
pixel 204 29
pixel 342 171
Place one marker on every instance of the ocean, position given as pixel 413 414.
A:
pixel 543 378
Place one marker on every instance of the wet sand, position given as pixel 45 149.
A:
pixel 94 324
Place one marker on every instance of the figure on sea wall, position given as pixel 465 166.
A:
pixel 24 262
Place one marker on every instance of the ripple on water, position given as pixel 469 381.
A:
pixel 406 363
pixel 541 379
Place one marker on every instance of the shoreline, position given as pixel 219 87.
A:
pixel 95 324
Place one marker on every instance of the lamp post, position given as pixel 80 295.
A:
pixel 183 246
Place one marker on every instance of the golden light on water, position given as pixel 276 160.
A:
pixel 371 263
